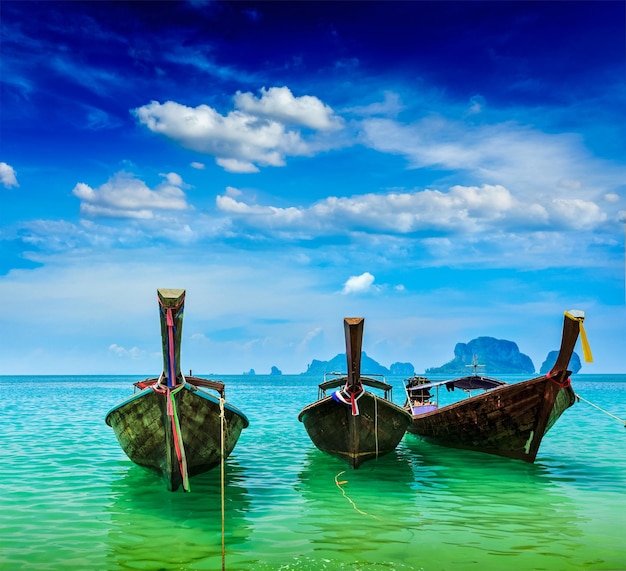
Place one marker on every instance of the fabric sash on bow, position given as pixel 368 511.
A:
pixel 179 445
pixel 349 398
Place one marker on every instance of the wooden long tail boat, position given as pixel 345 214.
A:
pixel 507 420
pixel 353 423
pixel 173 425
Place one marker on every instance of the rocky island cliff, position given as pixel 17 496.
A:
pixel 496 357
pixel 368 367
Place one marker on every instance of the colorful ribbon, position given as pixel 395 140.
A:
pixel 346 396
pixel 179 445
pixel 583 337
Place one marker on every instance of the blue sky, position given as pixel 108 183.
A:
pixel 444 169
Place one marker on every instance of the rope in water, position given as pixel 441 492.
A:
pixel 339 484
pixel 601 409
pixel 222 481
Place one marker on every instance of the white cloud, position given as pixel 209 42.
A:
pixel 476 106
pixel 197 165
pixel 462 209
pixel 270 215
pixel 232 191
pixel 133 352
pixel 279 104
pixel 173 179
pixel 260 132
pixel 125 196
pixel 234 165
pixel 7 175
pixel 309 336
pixel 577 214
pixel 358 284
pixel 390 107
pixel 531 164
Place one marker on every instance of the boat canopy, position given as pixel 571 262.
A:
pixel 340 381
pixel 464 383
pixel 217 386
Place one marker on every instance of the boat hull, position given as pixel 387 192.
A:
pixel 508 421
pixel 374 432
pixel 143 428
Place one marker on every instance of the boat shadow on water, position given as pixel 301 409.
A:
pixel 151 528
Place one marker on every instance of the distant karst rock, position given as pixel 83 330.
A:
pixel 338 364
pixel 250 372
pixel 276 371
pixel 574 363
pixel 402 369
pixel 498 356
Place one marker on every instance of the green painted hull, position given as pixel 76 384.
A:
pixel 144 430
pixel 173 426
pixel 374 432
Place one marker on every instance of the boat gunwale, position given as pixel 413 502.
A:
pixel 193 389
pixel 485 394
pixel 342 378
pixel 374 395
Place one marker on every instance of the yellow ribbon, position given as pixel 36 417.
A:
pixel 583 338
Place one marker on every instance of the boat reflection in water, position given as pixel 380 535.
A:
pixel 151 528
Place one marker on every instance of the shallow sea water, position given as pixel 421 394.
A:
pixel 71 500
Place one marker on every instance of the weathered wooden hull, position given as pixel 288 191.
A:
pixel 144 430
pixel 509 421
pixel 374 432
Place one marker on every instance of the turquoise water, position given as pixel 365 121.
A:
pixel 71 500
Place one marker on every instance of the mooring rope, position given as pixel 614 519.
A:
pixel 601 409
pixel 376 423
pixel 339 484
pixel 222 482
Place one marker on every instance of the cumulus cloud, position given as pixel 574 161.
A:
pixel 577 214
pixel 125 196
pixel 358 284
pixel 270 215
pixel 8 177
pixel 261 131
pixel 461 209
pixel 197 165
pixel 279 104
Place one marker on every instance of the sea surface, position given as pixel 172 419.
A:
pixel 71 500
